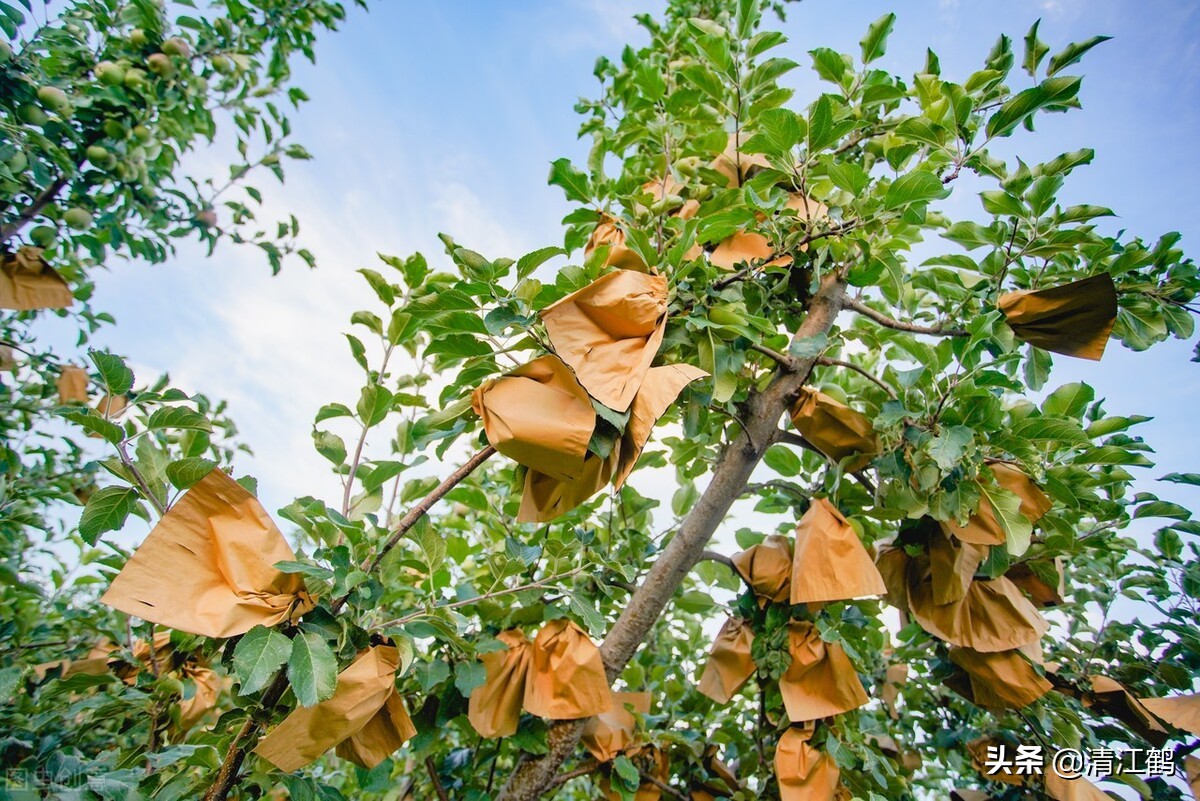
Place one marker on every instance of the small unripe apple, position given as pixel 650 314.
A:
pixel 223 65
pixel 176 46
pixel 134 77
pixel 18 162
pixel 141 133
pixel 126 172
pixel 207 218
pixel 270 158
pixel 138 38
pixel 110 74
pixel 53 98
pixel 98 155
pixel 160 64
pixel 114 129
pixel 32 115
pixel 77 218
pixel 43 236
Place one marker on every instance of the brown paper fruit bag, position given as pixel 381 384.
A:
pixel 735 165
pixel 494 709
pixel 539 416
pixel 1073 319
pixel 983 528
pixel 610 733
pixel 609 233
pixel 365 718
pixel 208 566
pixel 1112 698
pixel 992 616
pixel 831 563
pixel 27 282
pixel 953 564
pixel 804 773
pixel 546 498
pixel 1001 680
pixel 767 569
pixel 1027 576
pixel 729 664
pixel 1080 789
pixel 72 385
pixel 821 680
pixel 566 679
pixel 834 428
pixel 609 332
pixel 1181 711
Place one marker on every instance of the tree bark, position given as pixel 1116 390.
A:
pixel 738 460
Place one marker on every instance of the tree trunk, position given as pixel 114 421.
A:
pixel 738 460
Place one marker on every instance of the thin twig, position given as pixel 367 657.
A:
pixel 660 784
pixel 828 362
pixel 533 585
pixel 566 776
pixel 887 322
pixel 431 767
pixel 784 361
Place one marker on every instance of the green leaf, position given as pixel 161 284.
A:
pixel 874 44
pixel 382 288
pixel 914 187
pixel 183 473
pixel 178 417
pixel 1007 506
pixel 374 404
pixel 783 460
pixel 1018 108
pixel 432 544
pixel 748 14
pixel 947 447
pixel 531 261
pixel 258 656
pixel 331 410
pixel 105 511
pixel 1002 204
pixel 573 182
pixel 468 676
pixel 1162 509
pixel 330 446
pixel 1035 50
pixel 115 376
pixel 93 422
pixel 1069 400
pixel 312 668
pixel 1182 478
pixel 627 771
pixel 1072 53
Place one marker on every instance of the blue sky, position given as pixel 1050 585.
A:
pixel 443 117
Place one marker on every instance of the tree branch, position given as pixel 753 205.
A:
pixel 784 361
pixel 431 767
pixel 733 470
pixel 887 322
pixel 828 362
pixel 27 214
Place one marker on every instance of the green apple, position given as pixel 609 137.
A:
pixel 43 236
pixel 54 98
pixel 77 218
pixel 110 74
pixel 160 64
pixel 176 46
pixel 32 115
